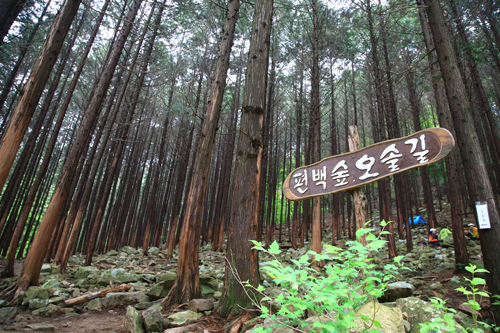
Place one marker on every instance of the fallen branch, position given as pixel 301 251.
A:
pixel 424 277
pixel 96 294
pixel 235 327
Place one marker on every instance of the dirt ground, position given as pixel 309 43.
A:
pixel 88 322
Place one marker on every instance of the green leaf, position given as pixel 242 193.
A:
pixel 274 248
pixel 362 231
pixel 475 281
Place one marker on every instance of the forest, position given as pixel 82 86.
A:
pixel 173 124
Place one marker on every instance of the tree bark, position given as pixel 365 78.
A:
pixel 241 259
pixel 479 185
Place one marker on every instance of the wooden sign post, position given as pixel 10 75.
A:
pixel 360 167
pixel 357 193
pixel 364 166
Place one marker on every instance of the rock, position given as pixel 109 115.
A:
pixel 170 276
pixel 455 281
pixel 56 300
pixel 200 305
pixel 249 324
pixel 183 318
pixel 124 298
pixel 206 291
pixel 310 322
pixel 47 311
pixel 153 320
pixel 390 319
pixel 46 268
pixel 419 312
pixel 8 314
pixel 83 272
pixel 130 250
pixel 160 290
pixel 37 303
pixel 438 287
pixel 133 321
pixel 464 320
pixel 117 275
pixel 447 242
pixel 52 284
pixel 42 327
pixel 153 250
pixel 94 304
pixel 35 292
pixel 112 253
pixel 397 290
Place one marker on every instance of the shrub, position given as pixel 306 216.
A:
pixel 347 281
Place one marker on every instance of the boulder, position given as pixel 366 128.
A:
pixel 124 298
pixel 37 303
pixel 183 318
pixel 94 304
pixel 207 291
pixel 35 292
pixel 42 327
pixel 200 305
pixel 118 275
pixel 52 284
pixel 447 242
pixel 153 251
pixel 8 314
pixel 47 311
pixel 167 276
pixel 83 272
pixel 46 268
pixel 133 321
pixel 160 290
pixel 390 319
pixel 420 312
pixel 130 250
pixel 153 320
pixel 397 290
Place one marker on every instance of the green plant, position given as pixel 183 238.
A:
pixel 348 280
pixel 472 292
pixel 446 324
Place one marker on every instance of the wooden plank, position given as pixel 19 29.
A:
pixel 367 165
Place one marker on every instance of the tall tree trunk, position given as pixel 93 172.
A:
pixel 479 185
pixel 187 284
pixel 33 263
pixel 316 134
pixel 22 114
pixel 246 188
pixel 383 185
pixel 444 116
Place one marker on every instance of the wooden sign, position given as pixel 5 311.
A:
pixel 350 170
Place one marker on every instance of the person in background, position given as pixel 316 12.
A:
pixel 445 232
pixel 472 232
pixel 433 237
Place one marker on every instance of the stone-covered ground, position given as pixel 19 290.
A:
pixel 150 278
